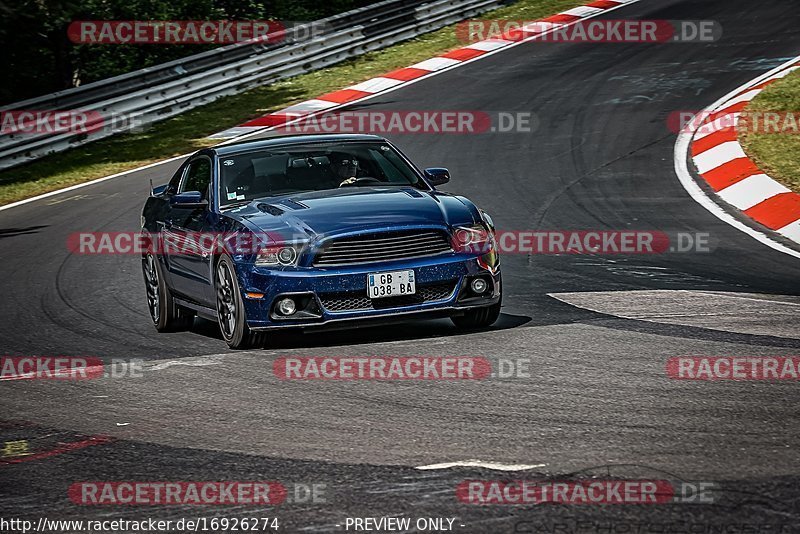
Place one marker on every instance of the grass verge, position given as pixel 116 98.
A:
pixel 189 131
pixel 777 154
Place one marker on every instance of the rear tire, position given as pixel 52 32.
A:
pixel 230 308
pixel 167 316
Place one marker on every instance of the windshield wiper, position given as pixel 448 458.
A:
pixel 238 204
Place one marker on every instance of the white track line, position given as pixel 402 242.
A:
pixel 478 463
pixel 304 117
pixel 681 156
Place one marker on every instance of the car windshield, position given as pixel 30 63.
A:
pixel 283 170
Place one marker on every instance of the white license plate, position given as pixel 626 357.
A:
pixel 394 284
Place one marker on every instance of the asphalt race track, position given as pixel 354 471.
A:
pixel 597 336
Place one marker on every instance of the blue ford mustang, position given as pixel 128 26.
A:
pixel 314 232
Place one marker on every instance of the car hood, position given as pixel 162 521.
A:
pixel 339 211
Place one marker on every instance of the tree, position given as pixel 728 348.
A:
pixel 39 58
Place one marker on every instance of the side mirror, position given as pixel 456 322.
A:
pixel 188 199
pixel 157 190
pixel 437 175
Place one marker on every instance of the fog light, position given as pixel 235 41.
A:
pixel 478 285
pixel 286 307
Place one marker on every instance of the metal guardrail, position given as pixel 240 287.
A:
pixel 166 90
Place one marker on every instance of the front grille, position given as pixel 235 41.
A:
pixel 357 300
pixel 384 246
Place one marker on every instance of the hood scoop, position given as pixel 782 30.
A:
pixel 269 208
pixel 292 204
pixel 413 193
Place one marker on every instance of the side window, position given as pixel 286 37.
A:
pixel 175 181
pixel 198 177
pixel 390 165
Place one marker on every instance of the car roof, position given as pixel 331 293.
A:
pixel 283 140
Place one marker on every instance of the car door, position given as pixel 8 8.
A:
pixel 185 231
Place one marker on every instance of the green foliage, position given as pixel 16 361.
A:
pixel 39 57
pixel 188 132
pixel 778 154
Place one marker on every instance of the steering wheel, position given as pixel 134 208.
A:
pixel 350 182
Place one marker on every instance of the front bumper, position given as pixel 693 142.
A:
pixel 334 297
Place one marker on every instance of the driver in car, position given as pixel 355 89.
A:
pixel 348 170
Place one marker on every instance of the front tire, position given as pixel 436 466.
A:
pixel 167 316
pixel 478 318
pixel 230 308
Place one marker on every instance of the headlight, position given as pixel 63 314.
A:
pixel 487 220
pixel 474 238
pixel 277 256
pixel 287 255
